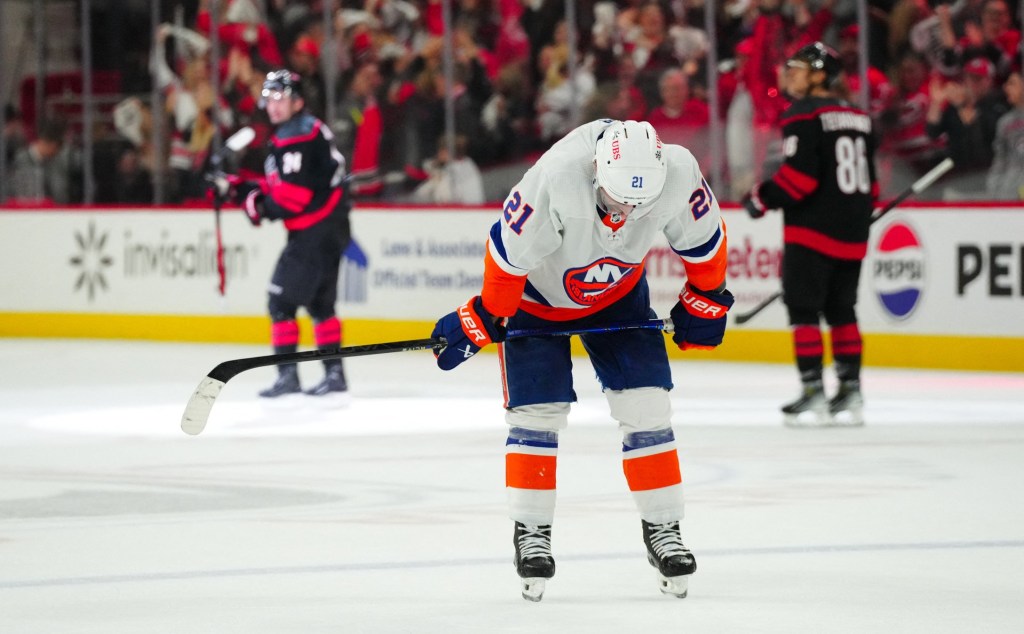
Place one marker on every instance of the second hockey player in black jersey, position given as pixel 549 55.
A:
pixel 303 189
pixel 826 188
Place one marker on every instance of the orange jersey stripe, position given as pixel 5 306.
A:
pixel 502 291
pixel 710 275
pixel 652 472
pixel 526 471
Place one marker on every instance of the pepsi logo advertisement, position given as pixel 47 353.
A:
pixel 898 271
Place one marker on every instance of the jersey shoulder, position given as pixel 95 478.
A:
pixel 301 127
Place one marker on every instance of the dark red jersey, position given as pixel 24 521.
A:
pixel 827 185
pixel 304 173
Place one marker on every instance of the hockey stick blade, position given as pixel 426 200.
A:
pixel 197 411
pixel 742 318
pixel 916 187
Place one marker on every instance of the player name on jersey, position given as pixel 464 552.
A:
pixel 845 120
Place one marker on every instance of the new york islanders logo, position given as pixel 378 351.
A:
pixel 898 274
pixel 586 284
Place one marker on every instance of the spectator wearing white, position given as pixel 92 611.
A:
pixel 190 100
pixel 451 181
pixel 559 92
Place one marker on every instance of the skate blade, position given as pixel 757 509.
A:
pixel 853 417
pixel 331 400
pixel 674 586
pixel 808 419
pixel 533 588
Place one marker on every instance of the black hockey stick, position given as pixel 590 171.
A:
pixel 197 411
pixel 916 187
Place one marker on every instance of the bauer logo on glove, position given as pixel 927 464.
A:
pixel 698 318
pixel 465 331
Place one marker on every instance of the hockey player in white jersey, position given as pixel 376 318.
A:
pixel 569 248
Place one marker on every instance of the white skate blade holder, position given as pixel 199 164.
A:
pixel 853 417
pixel 807 419
pixel 533 588
pixel 674 586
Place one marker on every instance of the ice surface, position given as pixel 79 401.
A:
pixel 388 516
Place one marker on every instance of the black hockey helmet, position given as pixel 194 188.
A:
pixel 281 82
pixel 818 56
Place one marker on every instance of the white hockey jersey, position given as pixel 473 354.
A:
pixel 553 254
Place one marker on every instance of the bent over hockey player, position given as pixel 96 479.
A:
pixel 826 188
pixel 569 250
pixel 303 189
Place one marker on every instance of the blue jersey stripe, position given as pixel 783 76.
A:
pixel 704 249
pixel 496 240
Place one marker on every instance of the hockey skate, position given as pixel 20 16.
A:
pixel 533 559
pixel 287 383
pixel 812 404
pixel 673 560
pixel 847 406
pixel 333 390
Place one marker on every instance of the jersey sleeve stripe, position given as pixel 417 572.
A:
pixel 701 251
pixel 803 183
pixel 292 197
pixel 304 221
pixel 797 185
pixel 710 273
pixel 497 248
pixel 502 291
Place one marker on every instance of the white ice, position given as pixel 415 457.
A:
pixel 389 516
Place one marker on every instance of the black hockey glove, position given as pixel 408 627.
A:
pixel 698 318
pixel 753 205
pixel 249 197
pixel 253 207
pixel 466 330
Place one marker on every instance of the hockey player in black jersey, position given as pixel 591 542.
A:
pixel 826 188
pixel 303 189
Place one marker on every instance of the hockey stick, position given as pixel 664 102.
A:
pixel 197 411
pixel 235 143
pixel 916 187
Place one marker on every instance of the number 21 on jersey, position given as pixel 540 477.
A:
pixel 513 206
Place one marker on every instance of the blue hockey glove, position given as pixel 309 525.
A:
pixel 698 318
pixel 467 329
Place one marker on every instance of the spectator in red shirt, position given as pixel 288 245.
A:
pixel 879 89
pixel 681 118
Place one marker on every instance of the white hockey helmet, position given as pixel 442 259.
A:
pixel 630 162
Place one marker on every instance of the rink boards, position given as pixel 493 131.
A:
pixel 942 287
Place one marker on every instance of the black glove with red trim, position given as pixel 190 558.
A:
pixel 698 318
pixel 753 205
pixel 249 196
pixel 466 330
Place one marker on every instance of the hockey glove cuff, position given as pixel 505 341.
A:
pixel 753 204
pixel 465 330
pixel 253 207
pixel 698 318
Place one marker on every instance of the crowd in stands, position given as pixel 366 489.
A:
pixel 944 78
